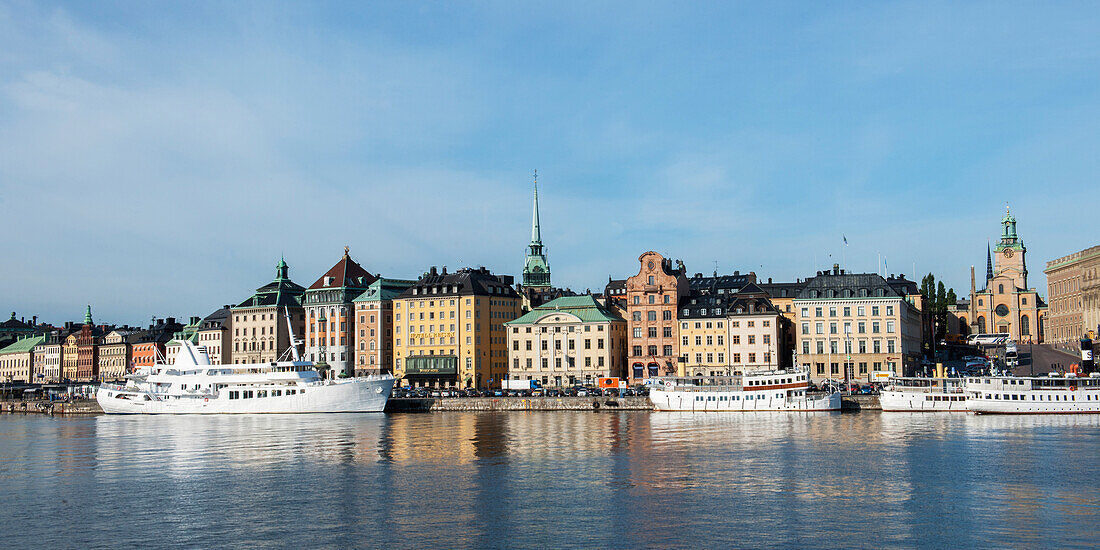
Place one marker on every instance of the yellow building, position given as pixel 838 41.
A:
pixel 448 329
pixel 703 345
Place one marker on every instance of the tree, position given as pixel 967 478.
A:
pixel 952 299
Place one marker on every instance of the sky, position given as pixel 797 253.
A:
pixel 158 159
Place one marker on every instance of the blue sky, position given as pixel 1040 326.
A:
pixel 157 160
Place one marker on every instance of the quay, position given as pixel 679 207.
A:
pixel 849 403
pixel 42 406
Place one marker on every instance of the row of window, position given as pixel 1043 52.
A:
pixel 834 368
pixel 250 394
pixel 861 327
pixel 651 315
pixel 861 311
pixel 569 328
pixel 637 351
pixel 569 362
pixel 557 344
pixel 834 346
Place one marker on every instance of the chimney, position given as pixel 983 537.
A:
pixel 34 320
pixel 836 269
pixel 769 280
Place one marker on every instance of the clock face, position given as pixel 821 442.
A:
pixel 1008 253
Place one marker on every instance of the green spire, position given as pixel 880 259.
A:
pixel 536 268
pixel 1009 222
pixel 281 270
pixel 88 315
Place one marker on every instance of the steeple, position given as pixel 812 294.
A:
pixel 88 315
pixel 1008 234
pixel 536 268
pixel 536 232
pixel 281 270
pixel 988 264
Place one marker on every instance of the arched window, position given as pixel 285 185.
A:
pixel 981 325
pixel 1000 289
pixel 1025 326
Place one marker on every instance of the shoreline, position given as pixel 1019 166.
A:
pixel 89 407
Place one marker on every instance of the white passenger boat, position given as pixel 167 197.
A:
pixel 920 394
pixel 1051 394
pixel 191 385
pixel 780 390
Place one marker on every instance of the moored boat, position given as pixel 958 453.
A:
pixel 778 390
pixel 920 394
pixel 1051 394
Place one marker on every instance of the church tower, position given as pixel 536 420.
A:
pixel 1010 252
pixel 536 269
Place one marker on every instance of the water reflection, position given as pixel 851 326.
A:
pixel 571 479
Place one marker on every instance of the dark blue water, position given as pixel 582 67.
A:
pixel 568 479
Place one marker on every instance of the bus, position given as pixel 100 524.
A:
pixel 988 339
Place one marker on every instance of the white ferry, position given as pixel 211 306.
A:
pixel 1051 394
pixel 780 390
pixel 191 385
pixel 919 394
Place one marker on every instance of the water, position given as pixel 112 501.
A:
pixel 551 479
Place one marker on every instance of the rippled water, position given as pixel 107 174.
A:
pixel 568 479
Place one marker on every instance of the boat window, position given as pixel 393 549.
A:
pixel 234 395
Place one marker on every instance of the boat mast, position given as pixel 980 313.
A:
pixel 290 331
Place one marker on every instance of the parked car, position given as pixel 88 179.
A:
pixel 582 392
pixel 867 390
pixel 553 393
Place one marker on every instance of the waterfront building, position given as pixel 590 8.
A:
pixel 115 353
pixel 567 341
pixel 150 344
pixel 374 326
pixel 189 333
pixel 87 344
pixel 703 335
pixel 47 358
pixel 1007 304
pixel 652 298
pixel 69 357
pixel 17 360
pixel 260 332
pixel 758 332
pixel 15 329
pixel 449 328
pixel 1073 292
pixel 958 317
pixel 850 325
pixel 330 315
pixel 215 333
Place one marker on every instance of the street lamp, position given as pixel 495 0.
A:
pixel 322 325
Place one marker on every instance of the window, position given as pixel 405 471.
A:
pixel 832 311
pixel 877 346
pixel 667 350
pixel 847 311
pixel 637 351
pixel 805 347
pixel 889 326
pixel 653 350
pixel 637 332
pixel 820 347
pixel 817 312
pixel 861 310
pixel 805 328
pixel 752 339
pixel 684 341
pixel 667 332
pixel 874 310
pixel 736 339
pixel 819 327
pixel 652 332
pixel 651 315
pixel 666 315
pixel 875 327
pixel 652 299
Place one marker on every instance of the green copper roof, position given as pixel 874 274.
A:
pixel 384 290
pixel 88 315
pixel 23 345
pixel 584 307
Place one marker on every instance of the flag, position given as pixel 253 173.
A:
pixel 845 241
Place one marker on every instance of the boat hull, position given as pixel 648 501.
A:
pixel 344 396
pixel 681 401
pixel 902 401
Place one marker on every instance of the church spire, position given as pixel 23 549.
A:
pixel 536 231
pixel 88 315
pixel 536 268
pixel 988 264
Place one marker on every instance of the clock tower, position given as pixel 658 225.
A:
pixel 1010 252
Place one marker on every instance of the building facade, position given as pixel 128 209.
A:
pixel 47 358
pixel 260 331
pixel 87 344
pixel 1073 295
pixel 115 354
pixel 215 333
pixel 757 333
pixel 15 329
pixel 150 345
pixel 17 360
pixel 652 299
pixel 853 324
pixel 567 341
pixel 374 326
pixel 449 329
pixel 330 315
pixel 69 357
pixel 1007 304
pixel 703 336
